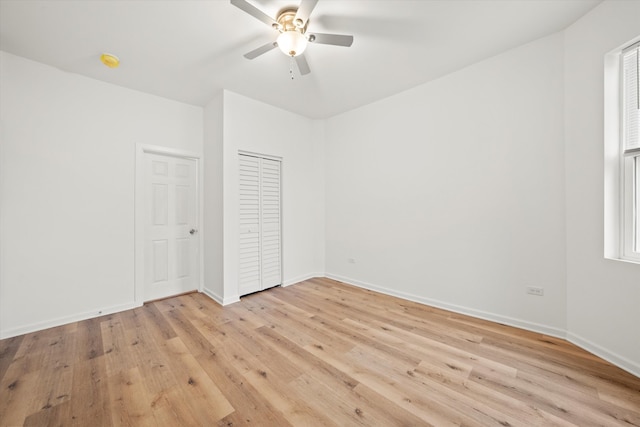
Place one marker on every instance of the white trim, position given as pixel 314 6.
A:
pixel 260 155
pixel 633 45
pixel 231 299
pixel 282 217
pixel 167 151
pixel 39 326
pixel 219 299
pixel 611 150
pixel 630 191
pixel 2 241
pixel 505 320
pixel 301 278
pixel 141 150
pixel 621 362
pixel 213 295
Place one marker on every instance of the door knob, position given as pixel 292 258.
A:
pixel 193 231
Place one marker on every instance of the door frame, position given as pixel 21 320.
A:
pixel 139 225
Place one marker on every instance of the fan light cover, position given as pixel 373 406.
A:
pixel 292 43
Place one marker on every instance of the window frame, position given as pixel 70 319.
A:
pixel 629 172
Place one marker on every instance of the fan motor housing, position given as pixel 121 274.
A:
pixel 287 21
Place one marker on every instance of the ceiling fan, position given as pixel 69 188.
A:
pixel 291 24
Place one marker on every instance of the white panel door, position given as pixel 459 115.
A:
pixel 171 229
pixel 260 234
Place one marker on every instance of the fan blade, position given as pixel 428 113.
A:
pixel 303 65
pixel 254 11
pixel 305 9
pixel 333 39
pixel 259 51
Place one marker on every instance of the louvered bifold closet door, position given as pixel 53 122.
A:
pixel 270 216
pixel 249 274
pixel 260 229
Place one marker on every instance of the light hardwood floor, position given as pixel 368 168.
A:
pixel 319 353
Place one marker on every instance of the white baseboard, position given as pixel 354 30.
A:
pixel 214 296
pixel 218 298
pixel 621 362
pixel 235 298
pixel 38 326
pixel 301 278
pixel 506 320
pixel 231 299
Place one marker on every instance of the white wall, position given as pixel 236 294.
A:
pixel 452 193
pixel 67 190
pixel 212 232
pixel 260 128
pixel 603 295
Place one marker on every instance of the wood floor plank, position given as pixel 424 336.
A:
pixel 306 361
pixel 16 397
pixel 622 398
pixel 317 353
pixel 129 400
pixel 260 374
pixel 250 406
pixel 56 416
pixel 334 390
pixel 407 398
pixel 297 327
pixel 151 358
pixel 117 349
pixel 33 351
pixel 514 408
pixel 52 389
pixel 90 402
pixel 279 366
pixel 206 400
pixel 343 405
pixel 171 408
pixel 297 411
pixel 549 400
pixel 342 330
pixel 89 339
pixel 188 332
pixel 156 323
pixel 8 349
pixel 259 302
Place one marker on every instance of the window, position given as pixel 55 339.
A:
pixel 630 152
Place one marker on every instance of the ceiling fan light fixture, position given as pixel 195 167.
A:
pixel 292 42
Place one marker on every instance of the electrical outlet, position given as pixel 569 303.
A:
pixel 351 261
pixel 532 290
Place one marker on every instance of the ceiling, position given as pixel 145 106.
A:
pixel 190 50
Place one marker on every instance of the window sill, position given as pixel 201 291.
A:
pixel 627 260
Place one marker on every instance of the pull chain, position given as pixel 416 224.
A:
pixel 291 64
